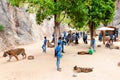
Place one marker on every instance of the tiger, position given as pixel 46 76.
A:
pixel 15 53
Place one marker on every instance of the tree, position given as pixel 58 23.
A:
pixel 1 27
pixel 102 11
pixel 81 12
pixel 16 3
pixel 93 13
pixel 46 9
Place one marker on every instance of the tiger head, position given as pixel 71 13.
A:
pixel 75 68
pixel 5 54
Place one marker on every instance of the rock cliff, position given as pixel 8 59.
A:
pixel 20 27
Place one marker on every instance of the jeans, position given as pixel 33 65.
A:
pixel 62 48
pixel 94 48
pixel 58 63
pixel 85 40
pixel 44 48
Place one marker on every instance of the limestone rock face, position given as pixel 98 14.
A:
pixel 20 26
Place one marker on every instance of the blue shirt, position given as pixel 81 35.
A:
pixel 60 41
pixel 64 34
pixel 45 41
pixel 58 51
pixel 111 37
pixel 63 42
pixel 85 36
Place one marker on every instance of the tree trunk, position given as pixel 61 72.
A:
pixel 56 27
pixel 91 32
pixel 56 32
pixel 104 38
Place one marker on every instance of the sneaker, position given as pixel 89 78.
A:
pixel 59 69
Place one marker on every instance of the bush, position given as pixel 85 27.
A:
pixel 1 27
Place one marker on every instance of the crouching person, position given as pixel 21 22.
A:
pixel 58 55
pixel 91 51
pixel 107 44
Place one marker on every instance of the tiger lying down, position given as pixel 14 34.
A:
pixel 81 69
pixel 15 53
pixel 82 53
pixel 50 45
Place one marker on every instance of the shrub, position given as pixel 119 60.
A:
pixel 1 27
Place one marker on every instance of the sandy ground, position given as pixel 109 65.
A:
pixel 43 67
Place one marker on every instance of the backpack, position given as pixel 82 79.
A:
pixel 56 53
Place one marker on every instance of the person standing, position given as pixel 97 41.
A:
pixel 85 38
pixel 63 42
pixel 76 38
pixel 111 38
pixel 94 44
pixel 44 45
pixel 53 38
pixel 64 34
pixel 58 55
pixel 100 37
pixel 60 40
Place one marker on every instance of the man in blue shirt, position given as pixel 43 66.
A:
pixel 44 45
pixel 100 37
pixel 62 43
pixel 60 40
pixel 58 55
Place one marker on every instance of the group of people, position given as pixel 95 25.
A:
pixel 113 36
pixel 72 37
pixel 65 39
pixel 68 37
pixel 58 49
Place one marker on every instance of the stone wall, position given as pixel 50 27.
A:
pixel 21 27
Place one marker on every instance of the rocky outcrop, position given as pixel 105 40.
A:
pixel 117 4
pixel 116 20
pixel 20 26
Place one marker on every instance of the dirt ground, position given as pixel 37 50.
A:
pixel 104 63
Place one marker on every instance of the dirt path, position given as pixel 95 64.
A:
pixel 43 67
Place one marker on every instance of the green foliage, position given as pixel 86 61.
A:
pixel 1 27
pixel 85 12
pixel 45 10
pixel 102 11
pixel 109 12
pixel 17 3
pixel 77 13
